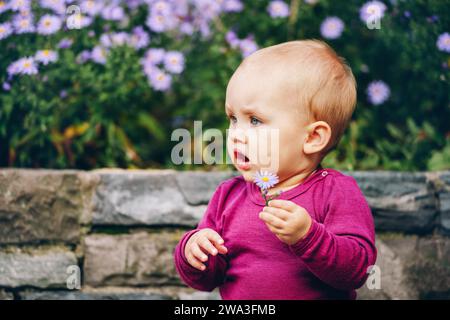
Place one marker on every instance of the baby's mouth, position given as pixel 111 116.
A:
pixel 241 159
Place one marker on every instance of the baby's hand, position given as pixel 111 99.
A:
pixel 199 244
pixel 287 220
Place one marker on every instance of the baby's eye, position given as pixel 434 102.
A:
pixel 232 119
pixel 255 121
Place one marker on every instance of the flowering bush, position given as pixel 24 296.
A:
pixel 103 83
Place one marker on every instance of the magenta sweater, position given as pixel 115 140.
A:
pixel 330 262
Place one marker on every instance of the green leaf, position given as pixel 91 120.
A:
pixel 149 122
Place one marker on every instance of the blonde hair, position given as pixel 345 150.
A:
pixel 324 83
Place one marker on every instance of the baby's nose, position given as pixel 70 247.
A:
pixel 238 136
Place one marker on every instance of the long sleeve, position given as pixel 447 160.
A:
pixel 339 250
pixel 216 266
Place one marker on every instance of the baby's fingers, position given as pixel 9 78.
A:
pixel 222 249
pixel 207 246
pixel 195 256
pixel 217 242
pixel 272 220
pixel 198 253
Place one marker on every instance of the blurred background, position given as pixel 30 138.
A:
pixel 89 84
pixel 104 84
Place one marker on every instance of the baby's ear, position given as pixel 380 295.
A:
pixel 318 134
pixel 309 129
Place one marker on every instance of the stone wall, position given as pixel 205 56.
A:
pixel 119 227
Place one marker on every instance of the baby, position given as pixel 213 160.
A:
pixel 315 240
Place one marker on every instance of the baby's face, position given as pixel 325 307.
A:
pixel 266 124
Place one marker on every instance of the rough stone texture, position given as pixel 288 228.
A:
pixel 199 295
pixel 134 259
pixel 143 198
pixel 198 187
pixel 41 268
pixel 123 226
pixel 430 269
pixel 43 205
pixel 441 182
pixel 118 293
pixel 5 295
pixel 400 201
pixel 394 282
pixel 411 268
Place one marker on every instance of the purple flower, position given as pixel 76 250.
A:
pixel 59 6
pixel 13 69
pixel 65 43
pixel 332 28
pixel 148 67
pixel 133 4
pixel 119 38
pixel 160 8
pixel 174 62
pixel 78 21
pixel 247 46
pixel 378 92
pixel 84 56
pixel 63 94
pixel 105 40
pixel 187 28
pixel 180 7
pixel 265 180
pixel 20 5
pixel 139 38
pixel 6 86
pixel 232 6
pixel 154 55
pixel 46 56
pixel 113 12
pixel 25 12
pixel 156 23
pixel 160 80
pixel 49 24
pixel 23 24
pixel 108 40
pixel 372 11
pixel 5 30
pixel 99 54
pixel 160 23
pixel 407 14
pixel 443 42
pixel 278 9
pixel 27 66
pixel 207 9
pixel 205 30
pixel 151 59
pixel 4 6
pixel 91 7
pixel 232 39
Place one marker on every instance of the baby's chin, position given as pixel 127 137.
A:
pixel 248 175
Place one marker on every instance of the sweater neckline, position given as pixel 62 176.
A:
pixel 255 193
